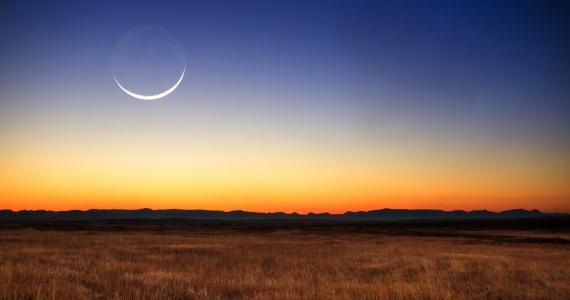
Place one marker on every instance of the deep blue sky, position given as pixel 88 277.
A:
pixel 503 60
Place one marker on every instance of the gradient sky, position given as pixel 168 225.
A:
pixel 290 106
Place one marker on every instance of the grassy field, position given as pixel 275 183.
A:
pixel 161 262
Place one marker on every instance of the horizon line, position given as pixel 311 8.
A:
pixel 293 212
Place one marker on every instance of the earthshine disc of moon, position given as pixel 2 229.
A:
pixel 148 63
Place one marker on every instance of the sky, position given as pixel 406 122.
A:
pixel 286 105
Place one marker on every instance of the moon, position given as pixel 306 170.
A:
pixel 151 97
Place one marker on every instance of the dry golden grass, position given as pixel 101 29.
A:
pixel 286 264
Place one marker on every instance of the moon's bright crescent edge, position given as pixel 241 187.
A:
pixel 151 97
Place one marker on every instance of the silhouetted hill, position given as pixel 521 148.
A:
pixel 373 215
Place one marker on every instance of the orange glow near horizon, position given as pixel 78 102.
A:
pixel 128 174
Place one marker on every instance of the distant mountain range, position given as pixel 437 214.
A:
pixel 214 215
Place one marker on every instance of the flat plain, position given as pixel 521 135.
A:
pixel 523 259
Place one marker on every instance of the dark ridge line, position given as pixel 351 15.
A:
pixel 385 214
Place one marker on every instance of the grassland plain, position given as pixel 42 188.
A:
pixel 280 263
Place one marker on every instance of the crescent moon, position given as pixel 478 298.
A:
pixel 151 97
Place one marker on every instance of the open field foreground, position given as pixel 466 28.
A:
pixel 156 261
